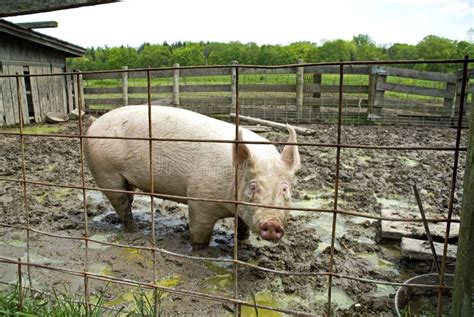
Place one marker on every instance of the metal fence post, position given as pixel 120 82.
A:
pixel 125 86
pixel 176 86
pixel 463 297
pixel 299 91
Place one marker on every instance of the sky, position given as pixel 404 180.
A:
pixel 133 22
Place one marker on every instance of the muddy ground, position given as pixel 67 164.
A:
pixel 370 180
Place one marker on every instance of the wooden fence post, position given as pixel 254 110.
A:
pixel 76 92
pixel 175 101
pixel 377 78
pixel 299 91
pixel 457 101
pixel 233 85
pixel 69 90
pixel 463 297
pixel 125 86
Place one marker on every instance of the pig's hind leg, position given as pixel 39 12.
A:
pixel 122 202
pixel 201 223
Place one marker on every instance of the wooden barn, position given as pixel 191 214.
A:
pixel 24 51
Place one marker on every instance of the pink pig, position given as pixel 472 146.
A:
pixel 193 169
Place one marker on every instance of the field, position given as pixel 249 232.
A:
pixel 370 180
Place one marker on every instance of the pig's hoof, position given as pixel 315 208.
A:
pixel 199 246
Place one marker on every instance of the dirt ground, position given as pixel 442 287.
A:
pixel 370 180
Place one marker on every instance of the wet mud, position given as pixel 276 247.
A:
pixel 369 181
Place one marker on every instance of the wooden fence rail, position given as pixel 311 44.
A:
pixel 301 93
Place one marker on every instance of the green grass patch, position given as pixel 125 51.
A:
pixel 36 129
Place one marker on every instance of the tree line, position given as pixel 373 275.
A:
pixel 360 48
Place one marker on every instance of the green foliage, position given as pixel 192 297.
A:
pixel 39 305
pixel 361 48
pixel 337 50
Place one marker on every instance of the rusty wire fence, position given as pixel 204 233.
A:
pixel 25 267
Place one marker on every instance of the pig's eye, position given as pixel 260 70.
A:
pixel 252 189
pixel 285 188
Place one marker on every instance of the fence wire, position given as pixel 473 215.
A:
pixel 237 74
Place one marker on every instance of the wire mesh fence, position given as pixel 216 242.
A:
pixel 244 92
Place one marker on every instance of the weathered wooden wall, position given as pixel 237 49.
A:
pixel 49 93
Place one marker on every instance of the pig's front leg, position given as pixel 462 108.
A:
pixel 243 230
pixel 201 224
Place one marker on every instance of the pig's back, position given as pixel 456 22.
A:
pixel 176 164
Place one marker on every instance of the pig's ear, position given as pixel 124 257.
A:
pixel 240 154
pixel 290 154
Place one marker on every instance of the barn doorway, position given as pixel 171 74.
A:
pixel 29 96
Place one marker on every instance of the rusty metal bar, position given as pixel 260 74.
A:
pixel 288 273
pixel 453 180
pixel 342 212
pixel 20 287
pixel 329 145
pixel 392 62
pixel 152 190
pixel 84 195
pixel 235 266
pixel 19 93
pixel 336 185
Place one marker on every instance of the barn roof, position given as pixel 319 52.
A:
pixel 15 30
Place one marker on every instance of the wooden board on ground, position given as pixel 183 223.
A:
pixel 398 229
pixel 257 128
pixel 420 249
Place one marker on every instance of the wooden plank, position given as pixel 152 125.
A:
pixel 21 7
pixel 204 88
pixel 154 90
pixel 397 229
pixel 35 82
pixel 107 90
pixel 69 91
pixel 415 90
pixel 204 101
pixel 276 125
pixel 334 69
pixel 105 101
pixel 93 76
pixel 24 105
pixel 415 249
pixel 347 89
pixel 267 88
pixel 420 74
pixel 2 109
pixel 413 105
pixel 39 24
pixel 10 94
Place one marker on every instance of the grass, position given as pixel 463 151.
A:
pixel 66 305
pixel 39 305
pixel 35 129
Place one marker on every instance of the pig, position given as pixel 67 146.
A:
pixel 198 170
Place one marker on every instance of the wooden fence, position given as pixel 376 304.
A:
pixel 301 94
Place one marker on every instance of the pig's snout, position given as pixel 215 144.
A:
pixel 271 230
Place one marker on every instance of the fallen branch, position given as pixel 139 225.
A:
pixel 273 124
